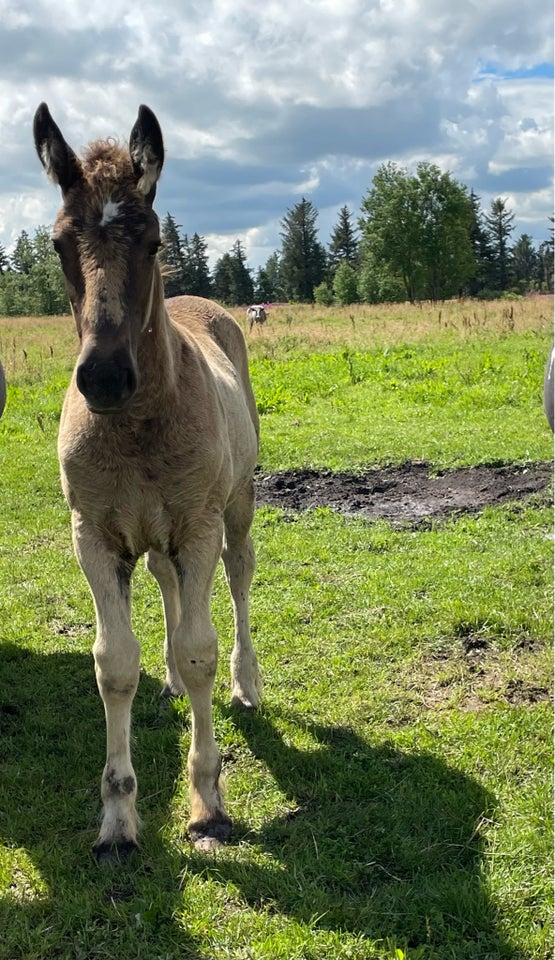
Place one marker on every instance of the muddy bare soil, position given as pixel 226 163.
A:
pixel 406 496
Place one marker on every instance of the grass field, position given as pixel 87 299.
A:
pixel 392 798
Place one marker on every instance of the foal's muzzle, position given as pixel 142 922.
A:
pixel 107 382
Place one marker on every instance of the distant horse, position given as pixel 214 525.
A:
pixel 157 446
pixel 2 389
pixel 256 314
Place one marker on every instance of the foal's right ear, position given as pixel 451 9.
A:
pixel 58 159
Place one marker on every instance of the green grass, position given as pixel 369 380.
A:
pixel 392 797
pixel 446 402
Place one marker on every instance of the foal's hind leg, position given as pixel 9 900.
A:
pixel 163 569
pixel 239 562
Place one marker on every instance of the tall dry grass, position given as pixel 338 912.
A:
pixel 29 345
pixel 365 325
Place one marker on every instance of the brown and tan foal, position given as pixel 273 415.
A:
pixel 158 442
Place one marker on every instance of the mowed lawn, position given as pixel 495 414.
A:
pixel 392 798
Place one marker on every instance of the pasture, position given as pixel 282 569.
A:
pixel 392 797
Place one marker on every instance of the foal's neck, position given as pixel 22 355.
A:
pixel 156 355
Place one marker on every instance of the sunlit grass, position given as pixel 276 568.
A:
pixel 392 797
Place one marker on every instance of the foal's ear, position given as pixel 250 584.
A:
pixel 147 151
pixel 58 159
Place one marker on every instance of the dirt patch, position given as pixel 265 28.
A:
pixel 476 679
pixel 408 495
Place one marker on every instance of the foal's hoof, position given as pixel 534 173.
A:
pixel 210 834
pixel 170 693
pixel 117 852
pixel 246 701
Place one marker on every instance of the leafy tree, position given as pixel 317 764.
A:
pixel 171 257
pixel 343 246
pixel 323 294
pixel 377 284
pixel 302 260
pixel 499 223
pixel 390 225
pixel 345 287
pixel 446 254
pixel 416 228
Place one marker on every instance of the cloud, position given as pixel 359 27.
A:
pixel 263 103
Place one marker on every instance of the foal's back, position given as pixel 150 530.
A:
pixel 210 325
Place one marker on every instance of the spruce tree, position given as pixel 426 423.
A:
pixel 343 246
pixel 499 223
pixel 171 257
pixel 302 259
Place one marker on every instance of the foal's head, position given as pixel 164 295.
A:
pixel 107 236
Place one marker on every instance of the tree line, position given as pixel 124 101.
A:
pixel 418 236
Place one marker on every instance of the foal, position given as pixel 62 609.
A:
pixel 157 446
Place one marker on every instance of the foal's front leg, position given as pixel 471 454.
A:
pixel 116 655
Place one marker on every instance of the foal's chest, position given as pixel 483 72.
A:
pixel 141 488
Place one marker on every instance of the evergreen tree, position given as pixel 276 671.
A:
pixel 171 257
pixel 4 260
pixel 524 263
pixel 197 258
pixel 499 223
pixel 263 291
pixel 223 279
pixel 302 260
pixel 272 269
pixel 343 246
pixel 481 248
pixel 232 278
pixel 23 256
pixel 545 263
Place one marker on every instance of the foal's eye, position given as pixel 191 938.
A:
pixel 57 245
pixel 154 248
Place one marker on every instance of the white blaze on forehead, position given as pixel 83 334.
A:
pixel 110 212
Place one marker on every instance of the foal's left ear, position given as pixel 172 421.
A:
pixel 147 151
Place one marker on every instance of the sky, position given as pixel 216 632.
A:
pixel 264 103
